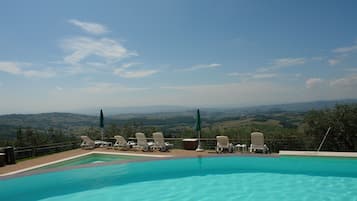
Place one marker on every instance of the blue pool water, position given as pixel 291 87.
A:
pixel 90 159
pixel 212 178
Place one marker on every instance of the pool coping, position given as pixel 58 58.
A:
pixel 152 157
pixel 318 154
pixel 80 155
pixel 147 158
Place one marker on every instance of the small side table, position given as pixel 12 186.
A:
pixel 2 159
pixel 241 147
pixel 190 144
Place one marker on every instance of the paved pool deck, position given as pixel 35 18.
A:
pixel 318 154
pixel 27 164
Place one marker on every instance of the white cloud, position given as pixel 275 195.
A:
pixel 333 62
pixel 240 74
pixel 42 74
pixel 128 65
pixel 253 75
pixel 10 67
pixel 351 69
pixel 345 81
pixel 90 27
pixel 264 75
pixel 84 47
pixel 282 63
pixel 201 66
pixel 124 72
pixel 346 49
pixel 15 69
pixel 312 82
pixel 134 74
pixel 59 88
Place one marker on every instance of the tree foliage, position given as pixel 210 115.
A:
pixel 343 122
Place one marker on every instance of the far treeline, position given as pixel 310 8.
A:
pixel 282 130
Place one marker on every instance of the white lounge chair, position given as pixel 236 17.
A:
pixel 87 143
pixel 223 144
pixel 142 142
pixel 257 143
pixel 159 142
pixel 101 143
pixel 121 143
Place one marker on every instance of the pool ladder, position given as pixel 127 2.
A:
pixel 323 140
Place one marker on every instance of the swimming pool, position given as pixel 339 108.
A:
pixel 210 178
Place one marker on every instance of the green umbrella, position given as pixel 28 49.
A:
pixel 198 121
pixel 101 124
pixel 101 119
pixel 198 129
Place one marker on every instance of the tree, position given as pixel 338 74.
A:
pixel 20 138
pixel 343 122
pixel 112 131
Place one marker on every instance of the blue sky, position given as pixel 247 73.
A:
pixel 68 55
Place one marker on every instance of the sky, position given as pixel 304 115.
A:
pixel 61 56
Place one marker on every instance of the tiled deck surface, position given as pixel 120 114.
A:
pixel 66 154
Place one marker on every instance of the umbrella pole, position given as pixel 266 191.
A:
pixel 199 149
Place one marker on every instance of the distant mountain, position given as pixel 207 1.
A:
pixel 47 120
pixel 132 112
pixel 162 116
pixel 153 113
pixel 303 106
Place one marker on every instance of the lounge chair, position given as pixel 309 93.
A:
pixel 87 143
pixel 257 143
pixel 223 144
pixel 159 142
pixel 121 143
pixel 142 142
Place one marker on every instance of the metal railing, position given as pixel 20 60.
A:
pixel 288 143
pixel 33 151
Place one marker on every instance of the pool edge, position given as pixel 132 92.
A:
pixel 5 175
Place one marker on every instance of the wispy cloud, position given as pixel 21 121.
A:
pixel 39 73
pixel 351 69
pixel 333 62
pixel 346 49
pixel 90 27
pixel 15 69
pixel 282 63
pixel 342 53
pixel 253 75
pixel 201 66
pixel 134 74
pixel 312 82
pixel 125 73
pixel 10 67
pixel 347 81
pixel 84 47
pixel 128 65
